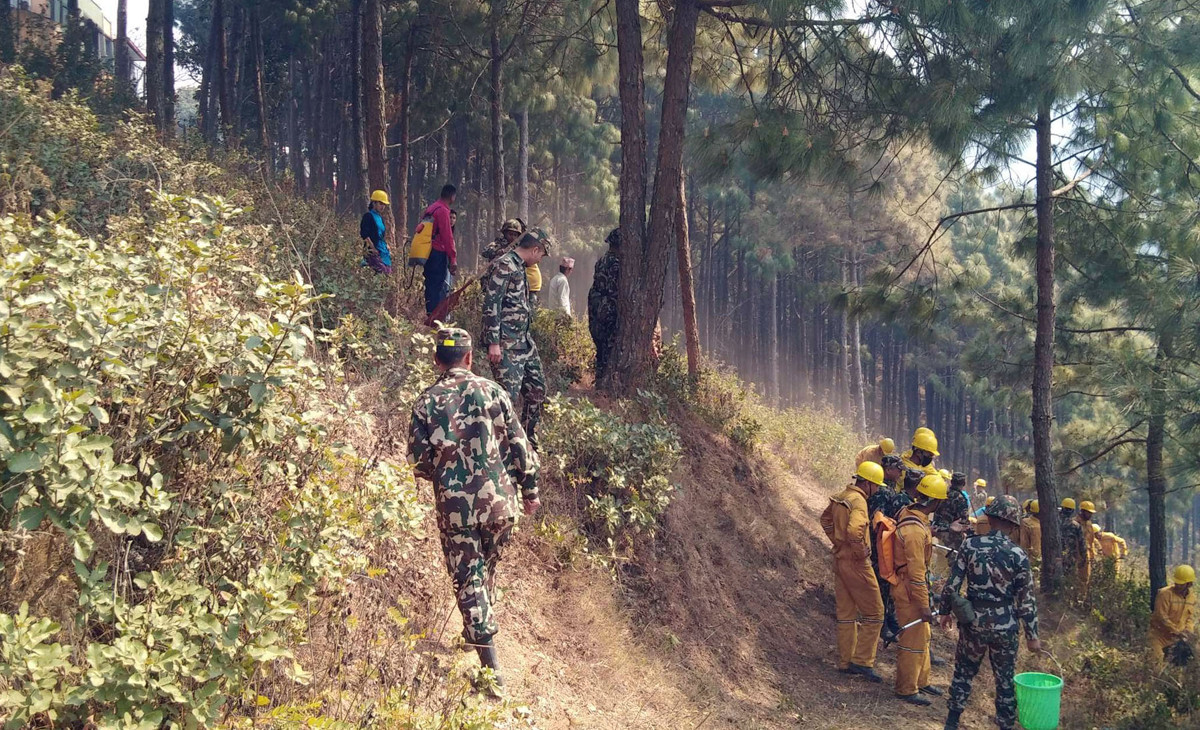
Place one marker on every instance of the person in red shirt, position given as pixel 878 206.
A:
pixel 443 259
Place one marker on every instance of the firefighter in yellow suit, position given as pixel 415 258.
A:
pixel 1031 532
pixel 912 595
pixel 875 452
pixel 1174 608
pixel 859 604
pixel 923 451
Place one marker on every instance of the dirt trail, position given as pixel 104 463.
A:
pixel 727 622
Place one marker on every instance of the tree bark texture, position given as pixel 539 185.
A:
pixel 168 66
pixel 400 135
pixel 523 163
pixel 373 95
pixel 496 107
pixel 123 67
pixel 154 62
pixel 683 258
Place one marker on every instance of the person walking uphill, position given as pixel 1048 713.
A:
pixel 507 317
pixel 1174 611
pixel 999 586
pixel 373 233
pixel 912 593
pixel 602 302
pixel 466 439
pixel 847 524
pixel 442 263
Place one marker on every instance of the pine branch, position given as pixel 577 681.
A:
pixel 806 23
pixel 1105 450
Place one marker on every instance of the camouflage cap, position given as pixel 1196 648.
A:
pixel 1005 508
pixel 511 225
pixel 537 237
pixel 453 340
pixel 891 461
pixel 958 480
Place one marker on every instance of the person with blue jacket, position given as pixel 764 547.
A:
pixel 373 232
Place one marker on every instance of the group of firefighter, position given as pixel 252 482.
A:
pixel 898 513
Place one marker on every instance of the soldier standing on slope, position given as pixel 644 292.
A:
pixel 1000 592
pixel 602 302
pixel 466 439
pixel 507 317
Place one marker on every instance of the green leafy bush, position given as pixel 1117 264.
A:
pixel 566 347
pixel 622 468
pixel 161 410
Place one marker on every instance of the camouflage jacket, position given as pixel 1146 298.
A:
pixel 888 499
pixel 498 246
pixel 466 438
pixel 952 509
pixel 506 309
pixel 999 584
pixel 1074 548
pixel 602 297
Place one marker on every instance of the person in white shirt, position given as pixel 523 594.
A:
pixel 560 288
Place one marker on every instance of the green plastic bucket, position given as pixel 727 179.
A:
pixel 1039 697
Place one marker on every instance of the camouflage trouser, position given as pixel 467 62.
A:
pixel 1001 647
pixel 520 373
pixel 471 556
pixel 891 627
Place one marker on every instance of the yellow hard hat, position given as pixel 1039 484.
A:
pixel 989 501
pixel 933 486
pixel 945 474
pixel 1025 504
pixel 871 472
pixel 1095 527
pixel 887 446
pixel 1067 503
pixel 923 429
pixel 380 197
pixel 1086 505
pixel 973 519
pixel 981 482
pixel 926 441
pixel 1033 506
pixel 1184 574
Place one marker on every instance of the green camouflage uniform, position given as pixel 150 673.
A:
pixel 498 246
pixel 466 439
pixel 1074 546
pixel 1000 588
pixel 507 316
pixel 952 509
pixel 602 308
pixel 889 500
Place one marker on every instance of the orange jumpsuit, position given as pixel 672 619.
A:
pixel 1172 617
pixel 912 601
pixel 847 525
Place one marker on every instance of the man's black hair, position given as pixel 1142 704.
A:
pixel 563 269
pixel 451 356
pixel 448 190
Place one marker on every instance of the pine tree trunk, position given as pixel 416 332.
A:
pixel 523 164
pixel 496 99
pixel 8 35
pixel 223 86
pixel 362 182
pixel 860 404
pixel 400 136
pixel 236 77
pixel 154 62
pixel 1043 358
pixel 1156 477
pixel 773 338
pixel 295 156
pixel 168 65
pixel 373 96
pixel 683 258
pixel 123 68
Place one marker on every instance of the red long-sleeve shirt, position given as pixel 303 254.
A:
pixel 443 237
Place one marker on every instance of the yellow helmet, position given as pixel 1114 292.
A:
pixel 933 486
pixel 926 441
pixel 989 501
pixel 945 474
pixel 1033 506
pixel 887 446
pixel 1086 505
pixel 923 429
pixel 380 196
pixel 1067 503
pixel 973 519
pixel 1184 574
pixel 871 472
pixel 981 483
pixel 1095 527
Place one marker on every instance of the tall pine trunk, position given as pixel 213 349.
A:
pixel 358 118
pixel 154 62
pixel 168 66
pixel 683 257
pixel 1043 354
pixel 496 106
pixel 860 395
pixel 123 67
pixel 1156 477
pixel 223 86
pixel 644 268
pixel 523 163
pixel 373 93
pixel 260 97
pixel 400 137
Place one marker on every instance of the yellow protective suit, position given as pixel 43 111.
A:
pixel 869 453
pixel 912 602
pixel 847 525
pixel 1031 537
pixel 1172 617
pixel 906 459
pixel 1085 565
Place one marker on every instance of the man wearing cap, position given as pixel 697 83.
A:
pixel 999 586
pixel 848 526
pixel 1031 532
pixel 507 317
pixel 889 500
pixel 912 594
pixel 950 522
pixel 1172 619
pixel 1074 544
pixel 466 439
pixel 510 231
pixel 560 288
pixel 602 302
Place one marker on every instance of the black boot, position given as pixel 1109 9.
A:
pixel 488 660
pixel 952 720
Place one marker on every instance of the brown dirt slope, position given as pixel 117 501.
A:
pixel 725 621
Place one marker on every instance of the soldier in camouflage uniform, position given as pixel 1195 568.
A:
pixel 466 439
pixel 1000 591
pixel 506 241
pixel 889 500
pixel 507 317
pixel 1074 545
pixel 602 302
pixel 950 522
